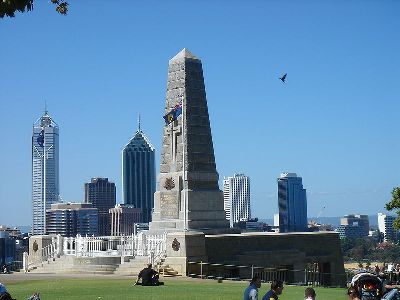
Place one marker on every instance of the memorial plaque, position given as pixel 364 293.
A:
pixel 169 206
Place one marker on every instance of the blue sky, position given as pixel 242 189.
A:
pixel 334 122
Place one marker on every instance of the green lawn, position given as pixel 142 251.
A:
pixel 121 289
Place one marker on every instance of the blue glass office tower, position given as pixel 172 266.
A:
pixel 45 181
pixel 292 201
pixel 138 174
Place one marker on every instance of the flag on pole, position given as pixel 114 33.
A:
pixel 173 114
pixel 40 138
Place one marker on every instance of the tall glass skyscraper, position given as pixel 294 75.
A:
pixel 292 201
pixel 237 198
pixel 139 174
pixel 45 180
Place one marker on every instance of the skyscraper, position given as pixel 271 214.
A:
pixel 237 198
pixel 292 202
pixel 45 181
pixel 102 194
pixel 138 174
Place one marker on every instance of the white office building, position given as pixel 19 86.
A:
pixel 385 226
pixel 45 181
pixel 237 198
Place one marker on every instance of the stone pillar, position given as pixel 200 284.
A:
pixel 37 243
pixel 112 222
pixel 25 262
pixel 188 196
pixel 183 247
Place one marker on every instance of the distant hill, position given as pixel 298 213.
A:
pixel 334 221
pixel 24 229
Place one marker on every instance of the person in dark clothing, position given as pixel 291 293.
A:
pixel 251 292
pixel 276 289
pixel 149 276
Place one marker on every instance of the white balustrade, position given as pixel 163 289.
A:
pixel 152 246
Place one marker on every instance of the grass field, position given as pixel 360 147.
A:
pixel 121 289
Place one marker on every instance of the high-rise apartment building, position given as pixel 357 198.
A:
pixel 292 202
pixel 385 226
pixel 70 219
pixel 237 198
pixel 139 174
pixel 45 181
pixel 102 194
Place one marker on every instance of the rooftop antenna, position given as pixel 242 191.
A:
pixel 45 107
pixel 139 122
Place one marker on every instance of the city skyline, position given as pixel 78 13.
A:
pixel 331 121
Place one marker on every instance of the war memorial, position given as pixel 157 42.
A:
pixel 188 224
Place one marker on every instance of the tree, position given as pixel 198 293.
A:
pixel 394 204
pixel 9 7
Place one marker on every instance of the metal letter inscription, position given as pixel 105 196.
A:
pixel 169 206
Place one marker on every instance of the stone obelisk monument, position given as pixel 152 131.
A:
pixel 188 196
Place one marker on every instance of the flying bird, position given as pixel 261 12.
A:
pixel 283 78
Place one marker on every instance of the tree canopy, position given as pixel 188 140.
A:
pixel 9 7
pixel 394 205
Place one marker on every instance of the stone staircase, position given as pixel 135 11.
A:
pixel 68 265
pixel 132 267
pixel 72 265
pixel 135 265
pixel 167 271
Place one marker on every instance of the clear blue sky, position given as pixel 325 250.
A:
pixel 335 122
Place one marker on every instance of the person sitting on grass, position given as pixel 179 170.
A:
pixel 309 294
pixel 149 277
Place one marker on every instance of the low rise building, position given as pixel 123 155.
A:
pixel 70 219
pixel 123 219
pixel 353 226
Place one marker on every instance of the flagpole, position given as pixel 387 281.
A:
pixel 183 167
pixel 44 183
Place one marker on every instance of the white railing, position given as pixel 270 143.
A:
pixel 152 246
pixel 158 250
pixel 92 246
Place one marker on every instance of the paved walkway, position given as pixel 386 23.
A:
pixel 17 277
